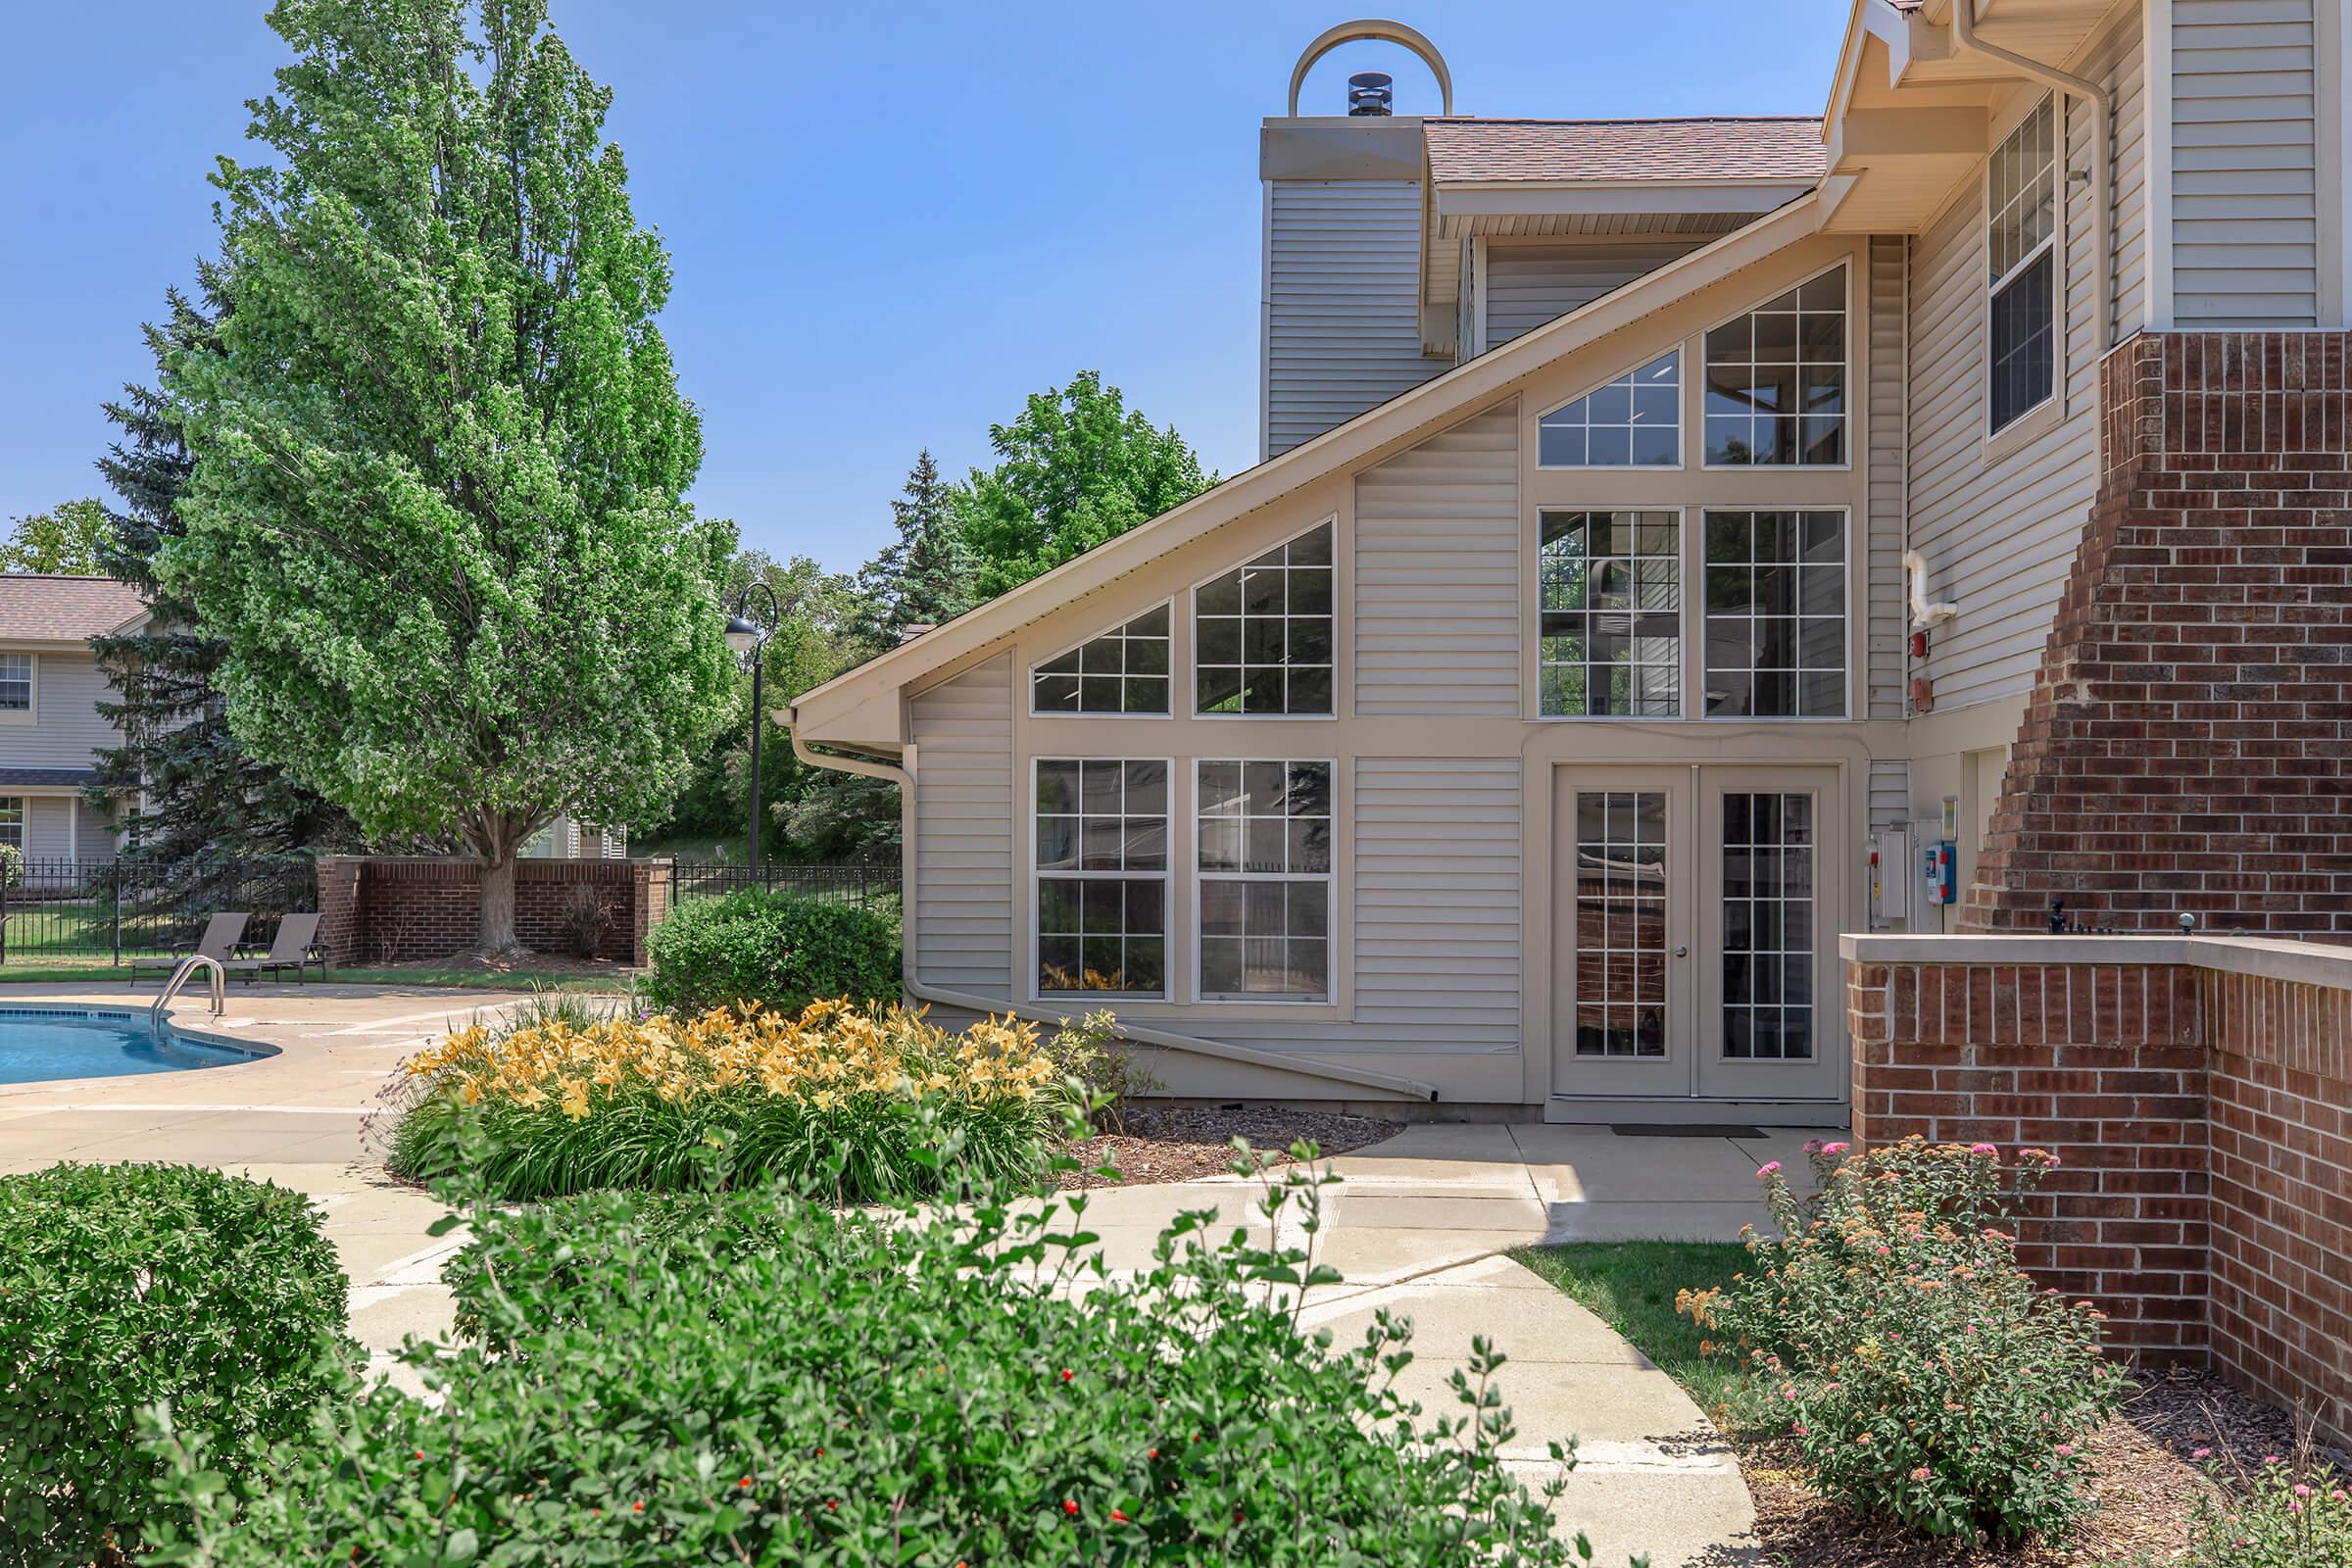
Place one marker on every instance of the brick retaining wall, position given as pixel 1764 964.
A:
pixel 401 909
pixel 2202 1114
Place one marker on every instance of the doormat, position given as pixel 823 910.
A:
pixel 1656 1129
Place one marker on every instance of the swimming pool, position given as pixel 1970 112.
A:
pixel 40 1044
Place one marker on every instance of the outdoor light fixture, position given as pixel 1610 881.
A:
pixel 749 639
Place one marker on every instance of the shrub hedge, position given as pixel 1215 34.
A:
pixel 755 1378
pixel 125 1284
pixel 779 950
pixel 1889 1330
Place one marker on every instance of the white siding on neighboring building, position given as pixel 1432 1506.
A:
pixel 1438 898
pixel 2246 141
pixel 64 729
pixel 1883 536
pixel 1998 535
pixel 1437 574
pixel 1343 303
pixel 965 831
pixel 1528 285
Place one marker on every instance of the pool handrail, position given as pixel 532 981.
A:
pixel 179 977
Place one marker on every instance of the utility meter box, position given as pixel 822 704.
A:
pixel 1890 881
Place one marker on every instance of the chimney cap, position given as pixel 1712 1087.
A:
pixel 1369 92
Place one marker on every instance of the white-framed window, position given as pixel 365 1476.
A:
pixel 15 684
pixel 1101 852
pixel 2021 250
pixel 1635 421
pixel 12 820
pixel 1264 880
pixel 1124 670
pixel 1776 381
pixel 1610 615
pixel 1263 633
pixel 1776 615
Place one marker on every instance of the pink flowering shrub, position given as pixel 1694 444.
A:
pixel 2290 1511
pixel 1887 1329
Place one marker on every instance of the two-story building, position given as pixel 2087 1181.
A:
pixel 1671 535
pixel 50 689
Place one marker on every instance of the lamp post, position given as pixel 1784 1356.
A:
pixel 749 639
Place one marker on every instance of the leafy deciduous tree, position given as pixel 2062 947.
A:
pixel 436 517
pixel 63 541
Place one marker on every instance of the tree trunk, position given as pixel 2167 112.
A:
pixel 498 905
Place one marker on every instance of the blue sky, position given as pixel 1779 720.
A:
pixel 890 222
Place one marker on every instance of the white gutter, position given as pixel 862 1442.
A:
pixel 1964 34
pixel 1280 1061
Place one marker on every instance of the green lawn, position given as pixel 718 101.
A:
pixel 1631 1287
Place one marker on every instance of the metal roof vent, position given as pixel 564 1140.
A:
pixel 1369 93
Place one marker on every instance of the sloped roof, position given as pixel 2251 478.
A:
pixel 1780 147
pixel 64 610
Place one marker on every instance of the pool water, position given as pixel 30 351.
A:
pixel 39 1045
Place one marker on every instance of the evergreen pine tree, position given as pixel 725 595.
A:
pixel 191 803
pixel 925 576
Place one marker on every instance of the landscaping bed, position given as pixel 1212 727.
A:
pixel 1158 1144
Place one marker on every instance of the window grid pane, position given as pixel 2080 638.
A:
pixel 1101 827
pixel 2021 255
pixel 1775 643
pixel 1634 421
pixel 1769 931
pixel 1125 670
pixel 1776 381
pixel 1264 834
pixel 1609 614
pixel 1621 924
pixel 12 820
pixel 1262 632
pixel 16 681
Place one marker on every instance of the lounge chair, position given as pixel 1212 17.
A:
pixel 295 947
pixel 221 934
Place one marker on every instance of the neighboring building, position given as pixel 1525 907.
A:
pixel 566 838
pixel 1670 529
pixel 50 688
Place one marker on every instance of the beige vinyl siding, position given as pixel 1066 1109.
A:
pixel 1891 797
pixel 2245 137
pixel 2128 186
pixel 964 831
pixel 1883 546
pixel 1438 898
pixel 1528 285
pixel 1998 534
pixel 65 729
pixel 94 833
pixel 1437 574
pixel 1343 321
pixel 48 827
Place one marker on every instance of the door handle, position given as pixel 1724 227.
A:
pixel 1681 952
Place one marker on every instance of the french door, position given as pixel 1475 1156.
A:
pixel 1695 933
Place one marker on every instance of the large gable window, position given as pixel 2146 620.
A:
pixel 2021 246
pixel 1776 381
pixel 1101 876
pixel 1776 615
pixel 1610 615
pixel 1265 881
pixel 1125 670
pixel 1263 633
pixel 1635 421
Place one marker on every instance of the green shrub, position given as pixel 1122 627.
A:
pixel 1105 1067
pixel 2290 1511
pixel 1889 1330
pixel 845 1099
pixel 126 1285
pixel 752 1378
pixel 779 950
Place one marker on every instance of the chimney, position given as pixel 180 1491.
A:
pixel 1369 93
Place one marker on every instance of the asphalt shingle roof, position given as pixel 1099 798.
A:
pixel 64 609
pixel 1715 148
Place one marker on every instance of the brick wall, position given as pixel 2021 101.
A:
pixel 400 909
pixel 2182 745
pixel 2202 1116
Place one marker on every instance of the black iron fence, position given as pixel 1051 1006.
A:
pixel 860 882
pixel 103 912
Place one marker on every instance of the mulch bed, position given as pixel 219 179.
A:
pixel 1187 1143
pixel 2144 1482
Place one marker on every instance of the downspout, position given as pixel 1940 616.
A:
pixel 1964 34
pixel 1141 1034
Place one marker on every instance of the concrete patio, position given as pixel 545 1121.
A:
pixel 1421 1225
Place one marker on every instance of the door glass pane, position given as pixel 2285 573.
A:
pixel 1621 923
pixel 1768 968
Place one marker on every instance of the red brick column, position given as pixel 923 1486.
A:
pixel 2181 751
pixel 654 884
pixel 340 928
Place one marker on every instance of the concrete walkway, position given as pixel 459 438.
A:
pixel 1420 1225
